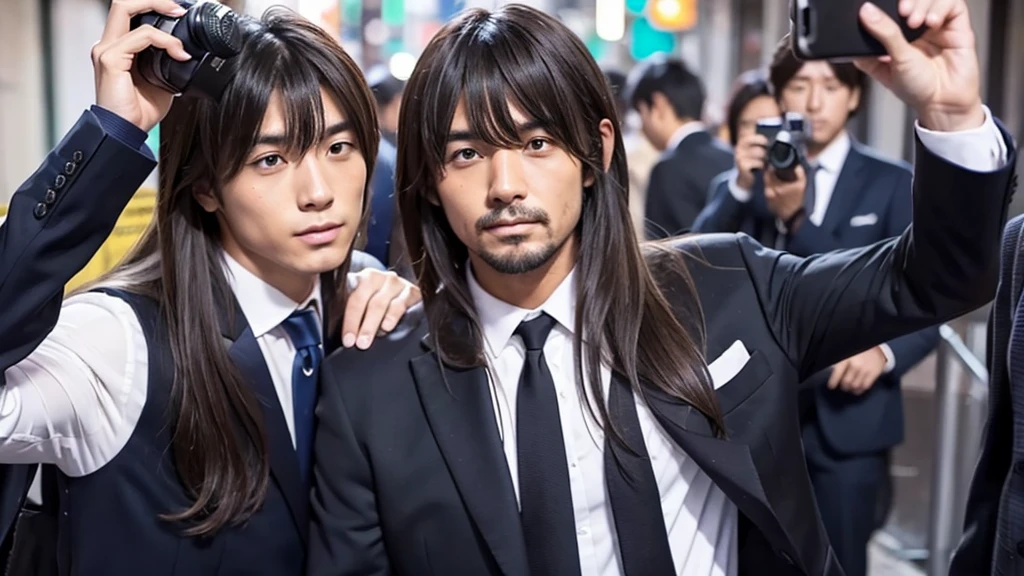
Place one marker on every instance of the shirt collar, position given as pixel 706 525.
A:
pixel 834 155
pixel 682 132
pixel 499 319
pixel 264 306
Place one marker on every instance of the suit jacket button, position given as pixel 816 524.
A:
pixel 1019 467
pixel 59 181
pixel 69 168
pixel 51 196
pixel 77 156
pixel 40 210
pixel 1020 547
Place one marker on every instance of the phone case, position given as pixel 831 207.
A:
pixel 831 29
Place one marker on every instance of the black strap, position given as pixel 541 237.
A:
pixel 633 490
pixel 548 521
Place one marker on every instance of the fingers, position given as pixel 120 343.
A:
pixel 398 307
pixel 376 305
pixel 355 307
pixel 113 55
pixel 886 30
pixel 122 11
pixel 838 372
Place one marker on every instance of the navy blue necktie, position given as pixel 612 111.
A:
pixel 304 330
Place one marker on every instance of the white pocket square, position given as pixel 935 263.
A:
pixel 864 220
pixel 728 365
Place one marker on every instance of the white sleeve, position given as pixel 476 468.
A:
pixel 980 149
pixel 76 399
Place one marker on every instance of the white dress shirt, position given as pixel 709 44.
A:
pixel 700 521
pixel 76 399
pixel 691 127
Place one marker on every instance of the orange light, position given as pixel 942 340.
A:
pixel 672 15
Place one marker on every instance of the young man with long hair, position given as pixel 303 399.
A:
pixel 579 404
pixel 175 394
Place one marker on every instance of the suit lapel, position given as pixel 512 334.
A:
pixel 284 464
pixel 847 192
pixel 458 407
pixel 729 464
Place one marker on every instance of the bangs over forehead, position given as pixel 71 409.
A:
pixel 294 59
pixel 493 61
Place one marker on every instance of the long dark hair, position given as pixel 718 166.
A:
pixel 219 440
pixel 520 55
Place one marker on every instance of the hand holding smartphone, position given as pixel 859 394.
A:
pixel 832 30
pixel 928 56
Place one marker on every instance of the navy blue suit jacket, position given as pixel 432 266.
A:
pixel 872 201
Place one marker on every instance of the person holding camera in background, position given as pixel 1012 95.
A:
pixel 171 402
pixel 852 413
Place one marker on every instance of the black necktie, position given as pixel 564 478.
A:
pixel 633 491
pixel 545 500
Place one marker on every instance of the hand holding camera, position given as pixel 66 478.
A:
pixel 120 90
pixel 785 198
pixel 750 154
pixel 152 50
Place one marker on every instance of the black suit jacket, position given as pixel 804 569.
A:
pixel 994 520
pixel 870 202
pixel 678 187
pixel 411 477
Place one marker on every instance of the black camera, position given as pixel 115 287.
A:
pixel 787 143
pixel 210 32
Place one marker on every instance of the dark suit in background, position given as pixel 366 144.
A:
pixel 678 187
pixel 993 540
pixel 846 437
pixel 411 474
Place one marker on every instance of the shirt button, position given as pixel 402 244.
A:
pixel 582 532
pixel 573 465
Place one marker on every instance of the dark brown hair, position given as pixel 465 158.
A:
pixel 785 65
pixel 522 56
pixel 219 440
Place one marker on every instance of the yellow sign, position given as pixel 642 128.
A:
pixel 129 228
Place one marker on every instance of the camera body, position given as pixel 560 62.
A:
pixel 787 143
pixel 210 32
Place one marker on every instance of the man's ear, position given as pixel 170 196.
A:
pixel 607 130
pixel 203 194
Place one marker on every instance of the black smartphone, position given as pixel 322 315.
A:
pixel 831 29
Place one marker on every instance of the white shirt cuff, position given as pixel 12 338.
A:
pixel 740 194
pixel 980 149
pixel 890 358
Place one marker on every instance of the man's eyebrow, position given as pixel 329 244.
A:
pixel 279 139
pixel 470 135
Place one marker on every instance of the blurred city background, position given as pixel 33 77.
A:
pixel 46 80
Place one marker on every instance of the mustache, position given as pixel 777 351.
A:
pixel 512 212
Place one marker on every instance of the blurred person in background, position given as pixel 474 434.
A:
pixel 171 401
pixel 641 155
pixel 383 235
pixel 670 101
pixel 751 101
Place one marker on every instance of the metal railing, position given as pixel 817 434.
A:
pixel 961 390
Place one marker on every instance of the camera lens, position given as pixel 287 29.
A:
pixel 782 155
pixel 218 30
